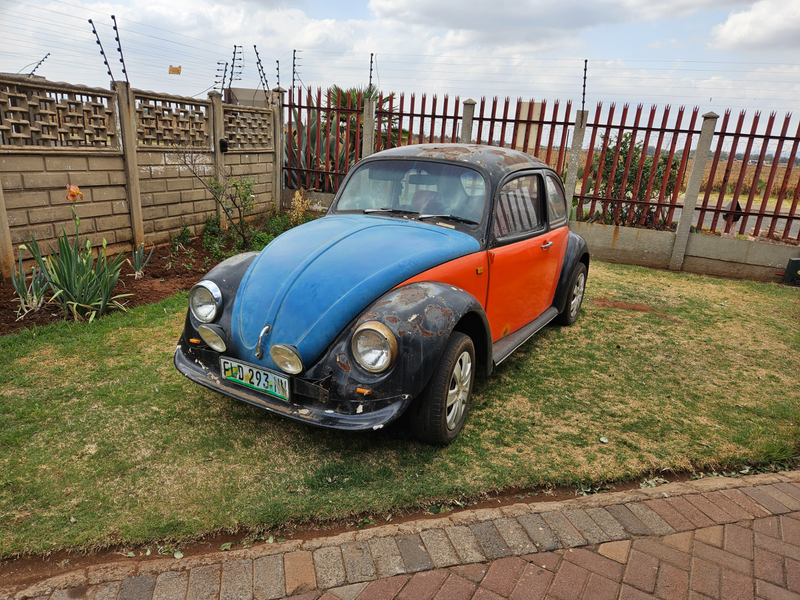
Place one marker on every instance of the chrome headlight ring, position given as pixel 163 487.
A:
pixel 205 301
pixel 374 346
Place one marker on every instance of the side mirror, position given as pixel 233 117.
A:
pixel 223 145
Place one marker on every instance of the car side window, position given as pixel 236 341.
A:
pixel 556 205
pixel 518 208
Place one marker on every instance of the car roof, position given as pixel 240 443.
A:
pixel 497 162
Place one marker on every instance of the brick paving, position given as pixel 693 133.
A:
pixel 715 539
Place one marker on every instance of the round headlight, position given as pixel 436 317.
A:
pixel 286 358
pixel 205 301
pixel 212 337
pixel 374 346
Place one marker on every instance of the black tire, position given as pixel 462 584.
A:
pixel 432 420
pixel 577 289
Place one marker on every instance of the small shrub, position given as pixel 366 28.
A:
pixel 182 238
pixel 214 238
pixel 300 204
pixel 260 240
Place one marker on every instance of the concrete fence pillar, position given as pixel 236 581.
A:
pixel 217 133
pixel 279 143
pixel 467 116
pixel 6 247
pixel 581 119
pixel 368 142
pixel 692 191
pixel 127 127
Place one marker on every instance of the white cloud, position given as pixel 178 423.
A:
pixel 767 25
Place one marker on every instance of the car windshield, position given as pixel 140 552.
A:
pixel 410 188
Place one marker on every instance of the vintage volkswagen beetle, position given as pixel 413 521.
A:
pixel 431 261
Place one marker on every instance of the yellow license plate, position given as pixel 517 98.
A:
pixel 255 378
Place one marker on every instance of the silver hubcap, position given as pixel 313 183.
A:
pixel 577 295
pixel 458 390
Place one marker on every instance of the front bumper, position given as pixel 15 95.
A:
pixel 310 403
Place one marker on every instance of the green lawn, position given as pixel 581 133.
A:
pixel 102 442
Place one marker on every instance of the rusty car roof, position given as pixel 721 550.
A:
pixel 497 161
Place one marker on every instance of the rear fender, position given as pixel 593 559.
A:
pixel 577 252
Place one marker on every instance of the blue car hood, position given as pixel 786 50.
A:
pixel 310 282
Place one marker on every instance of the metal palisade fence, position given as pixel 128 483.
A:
pixel 633 167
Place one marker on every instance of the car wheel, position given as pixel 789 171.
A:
pixel 442 406
pixel 577 287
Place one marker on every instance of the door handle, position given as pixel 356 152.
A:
pixel 546 246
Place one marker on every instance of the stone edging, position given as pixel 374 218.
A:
pixel 113 572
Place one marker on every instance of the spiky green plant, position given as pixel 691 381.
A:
pixel 84 286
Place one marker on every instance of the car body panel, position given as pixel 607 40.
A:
pixel 313 280
pixel 470 273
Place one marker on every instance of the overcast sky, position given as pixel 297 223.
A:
pixel 713 53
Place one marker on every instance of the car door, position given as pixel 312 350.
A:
pixel 525 255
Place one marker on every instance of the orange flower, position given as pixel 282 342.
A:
pixel 74 193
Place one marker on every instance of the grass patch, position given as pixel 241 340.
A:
pixel 102 442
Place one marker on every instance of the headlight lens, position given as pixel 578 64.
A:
pixel 374 346
pixel 205 301
pixel 212 337
pixel 287 359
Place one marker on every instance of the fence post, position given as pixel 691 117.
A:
pixel 578 133
pixel 693 191
pixel 368 143
pixel 279 143
pixel 467 115
pixel 127 127
pixel 217 133
pixel 6 247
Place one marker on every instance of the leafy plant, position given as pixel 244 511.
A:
pixel 182 238
pixel 139 262
pixel 630 213
pixel 31 296
pixel 83 285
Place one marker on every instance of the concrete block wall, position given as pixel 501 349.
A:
pixel 135 190
pixel 171 196
pixel 259 166
pixel 705 254
pixel 35 189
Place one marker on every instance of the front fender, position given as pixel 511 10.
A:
pixel 227 275
pixel 421 316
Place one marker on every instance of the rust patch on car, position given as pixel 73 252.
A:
pixel 620 305
pixel 410 295
pixel 444 313
pixel 392 320
pixel 343 363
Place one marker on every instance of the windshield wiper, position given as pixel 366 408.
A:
pixel 399 211
pixel 451 217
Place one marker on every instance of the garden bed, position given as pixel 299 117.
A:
pixel 170 269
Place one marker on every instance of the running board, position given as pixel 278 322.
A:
pixel 502 349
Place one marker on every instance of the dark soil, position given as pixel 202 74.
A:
pixel 169 270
